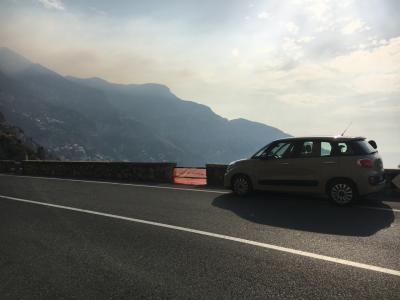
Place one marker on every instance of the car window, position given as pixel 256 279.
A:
pixel 355 147
pixel 305 149
pixel 261 153
pixel 280 150
pixel 326 149
pixel 345 148
pixel 364 147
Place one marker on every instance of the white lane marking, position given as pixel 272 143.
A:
pixel 378 208
pixel 163 187
pixel 218 236
pixel 121 184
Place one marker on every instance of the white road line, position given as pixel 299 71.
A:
pixel 378 208
pixel 121 184
pixel 163 187
pixel 219 236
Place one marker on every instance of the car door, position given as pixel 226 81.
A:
pixel 294 167
pixel 273 168
pixel 305 167
pixel 329 162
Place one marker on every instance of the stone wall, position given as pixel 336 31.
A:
pixel 119 171
pixel 122 171
pixel 10 166
pixel 215 174
pixel 390 174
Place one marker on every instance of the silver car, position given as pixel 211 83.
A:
pixel 342 167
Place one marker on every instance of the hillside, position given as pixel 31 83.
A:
pixel 92 119
pixel 15 145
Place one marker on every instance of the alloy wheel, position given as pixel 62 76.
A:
pixel 241 186
pixel 342 193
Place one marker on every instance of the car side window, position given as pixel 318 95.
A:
pixel 280 150
pixel 326 149
pixel 306 149
pixel 345 149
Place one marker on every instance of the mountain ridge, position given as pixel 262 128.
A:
pixel 93 119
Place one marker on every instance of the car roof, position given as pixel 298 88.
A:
pixel 338 138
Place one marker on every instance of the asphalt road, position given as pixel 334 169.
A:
pixel 77 239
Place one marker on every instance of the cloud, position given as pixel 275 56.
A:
pixel 292 48
pixel 235 52
pixel 305 39
pixel 263 15
pixel 319 10
pixel 385 105
pixel 98 11
pixel 355 74
pixel 348 81
pixel 332 16
pixel 384 59
pixel 306 99
pixel 52 4
pixel 292 28
pixel 354 26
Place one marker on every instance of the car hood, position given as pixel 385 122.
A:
pixel 237 161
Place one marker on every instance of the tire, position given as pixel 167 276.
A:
pixel 241 185
pixel 342 192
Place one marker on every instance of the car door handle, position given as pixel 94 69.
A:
pixel 284 163
pixel 329 162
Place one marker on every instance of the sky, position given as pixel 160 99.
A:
pixel 307 67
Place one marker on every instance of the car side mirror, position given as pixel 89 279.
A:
pixel 373 144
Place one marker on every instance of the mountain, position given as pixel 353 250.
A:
pixel 15 145
pixel 92 119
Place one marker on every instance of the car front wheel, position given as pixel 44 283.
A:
pixel 241 185
pixel 342 192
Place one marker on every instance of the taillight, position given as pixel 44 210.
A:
pixel 365 163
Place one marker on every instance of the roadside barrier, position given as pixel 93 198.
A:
pixel 215 174
pixel 393 178
pixel 120 171
pixel 211 175
pixel 190 176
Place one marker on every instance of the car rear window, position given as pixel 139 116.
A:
pixel 365 147
pixel 356 147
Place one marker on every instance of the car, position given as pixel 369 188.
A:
pixel 344 168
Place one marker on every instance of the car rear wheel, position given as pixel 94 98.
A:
pixel 241 185
pixel 342 192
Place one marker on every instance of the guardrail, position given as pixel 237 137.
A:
pixel 128 171
pixel 120 171
pixel 10 166
pixel 190 176
pixel 390 175
pixel 215 174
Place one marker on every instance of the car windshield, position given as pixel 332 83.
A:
pixel 278 150
pixel 260 152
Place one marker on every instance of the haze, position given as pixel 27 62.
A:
pixel 305 66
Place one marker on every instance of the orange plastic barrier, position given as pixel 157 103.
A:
pixel 190 176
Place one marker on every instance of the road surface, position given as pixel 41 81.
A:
pixel 79 239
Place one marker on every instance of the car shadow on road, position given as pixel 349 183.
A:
pixel 307 213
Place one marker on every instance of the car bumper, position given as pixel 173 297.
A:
pixel 227 180
pixel 372 187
